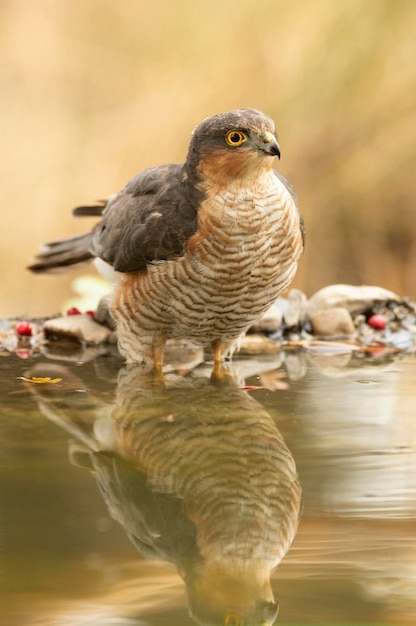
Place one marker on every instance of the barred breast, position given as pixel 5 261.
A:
pixel 243 255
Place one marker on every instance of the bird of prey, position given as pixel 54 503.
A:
pixel 197 250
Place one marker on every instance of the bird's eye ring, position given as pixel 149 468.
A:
pixel 235 138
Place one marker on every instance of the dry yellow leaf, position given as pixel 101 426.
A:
pixel 40 379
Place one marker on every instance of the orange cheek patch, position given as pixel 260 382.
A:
pixel 222 165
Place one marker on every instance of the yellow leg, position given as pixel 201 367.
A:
pixel 157 355
pixel 219 349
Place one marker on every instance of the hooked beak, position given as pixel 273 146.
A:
pixel 270 145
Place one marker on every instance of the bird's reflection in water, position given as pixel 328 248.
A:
pixel 197 474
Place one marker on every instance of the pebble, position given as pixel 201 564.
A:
pixel 297 304
pixel 402 339
pixel 79 327
pixel 258 344
pixel 356 299
pixel 271 321
pixel 102 314
pixel 332 322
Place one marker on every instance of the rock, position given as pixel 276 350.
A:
pixel 102 314
pixel 356 299
pixel 258 344
pixel 296 308
pixel 77 327
pixel 271 321
pixel 333 322
pixel 402 339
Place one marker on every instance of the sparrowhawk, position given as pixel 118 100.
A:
pixel 199 249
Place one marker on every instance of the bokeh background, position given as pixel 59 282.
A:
pixel 92 91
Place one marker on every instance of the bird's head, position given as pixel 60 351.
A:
pixel 236 144
pixel 231 594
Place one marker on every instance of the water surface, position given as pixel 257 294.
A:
pixel 131 501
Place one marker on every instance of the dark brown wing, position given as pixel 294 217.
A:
pixel 151 219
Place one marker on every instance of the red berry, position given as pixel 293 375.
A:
pixel 377 321
pixel 24 329
pixel 90 313
pixel 73 311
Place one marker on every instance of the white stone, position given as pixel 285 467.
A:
pixel 334 322
pixel 295 312
pixel 270 322
pixel 258 344
pixel 79 327
pixel 354 298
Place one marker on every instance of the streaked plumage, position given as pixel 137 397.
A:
pixel 202 248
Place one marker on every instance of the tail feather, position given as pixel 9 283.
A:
pixel 59 255
pixel 90 210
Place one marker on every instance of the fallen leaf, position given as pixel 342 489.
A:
pixel 40 379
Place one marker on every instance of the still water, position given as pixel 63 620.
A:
pixel 288 486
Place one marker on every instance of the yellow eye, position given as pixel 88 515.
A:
pixel 231 619
pixel 235 137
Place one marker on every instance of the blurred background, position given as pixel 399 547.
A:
pixel 93 92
